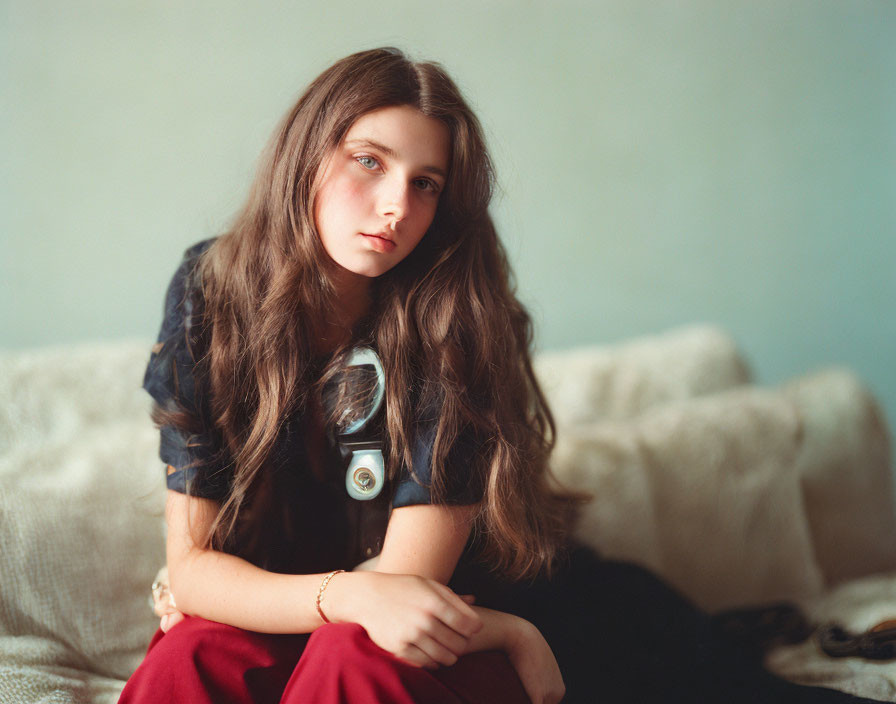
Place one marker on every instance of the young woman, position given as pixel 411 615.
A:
pixel 367 228
pixel 359 505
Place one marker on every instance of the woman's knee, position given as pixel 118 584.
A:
pixel 199 660
pixel 192 635
pixel 341 657
pixel 172 666
pixel 346 643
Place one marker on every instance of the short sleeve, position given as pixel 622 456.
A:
pixel 170 380
pixel 462 486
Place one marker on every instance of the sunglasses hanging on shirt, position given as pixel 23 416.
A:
pixel 356 393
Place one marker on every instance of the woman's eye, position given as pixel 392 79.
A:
pixel 368 162
pixel 424 184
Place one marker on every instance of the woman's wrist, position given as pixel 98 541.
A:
pixel 320 593
pixel 335 601
pixel 519 634
pixel 500 631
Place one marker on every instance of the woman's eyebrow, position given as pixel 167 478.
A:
pixel 388 151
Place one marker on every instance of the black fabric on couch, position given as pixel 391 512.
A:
pixel 621 635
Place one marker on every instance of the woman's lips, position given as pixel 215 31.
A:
pixel 378 243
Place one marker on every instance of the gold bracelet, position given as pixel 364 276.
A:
pixel 320 593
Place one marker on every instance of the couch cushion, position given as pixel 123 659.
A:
pixel 617 382
pixel 705 493
pixel 845 465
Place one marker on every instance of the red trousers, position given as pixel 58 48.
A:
pixel 201 661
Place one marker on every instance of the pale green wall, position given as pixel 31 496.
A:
pixel 661 162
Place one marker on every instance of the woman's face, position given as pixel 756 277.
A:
pixel 379 189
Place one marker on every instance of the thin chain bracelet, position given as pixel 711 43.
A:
pixel 320 593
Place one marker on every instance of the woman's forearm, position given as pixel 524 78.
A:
pixel 228 589
pixel 528 652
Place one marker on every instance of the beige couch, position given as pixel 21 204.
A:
pixel 737 495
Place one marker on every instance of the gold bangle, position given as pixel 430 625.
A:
pixel 320 593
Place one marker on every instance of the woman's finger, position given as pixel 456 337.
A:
pixel 456 613
pixel 460 620
pixel 170 620
pixel 447 637
pixel 415 656
pixel 435 651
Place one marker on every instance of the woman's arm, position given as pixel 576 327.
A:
pixel 427 540
pixel 527 650
pixel 228 589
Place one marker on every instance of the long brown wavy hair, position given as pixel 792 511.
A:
pixel 450 331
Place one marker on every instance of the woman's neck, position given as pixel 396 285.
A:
pixel 352 303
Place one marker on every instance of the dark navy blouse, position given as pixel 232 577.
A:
pixel 203 467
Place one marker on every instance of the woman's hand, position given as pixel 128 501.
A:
pixel 170 620
pixel 418 620
pixel 535 665
pixel 163 602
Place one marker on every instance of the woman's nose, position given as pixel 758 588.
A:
pixel 394 200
